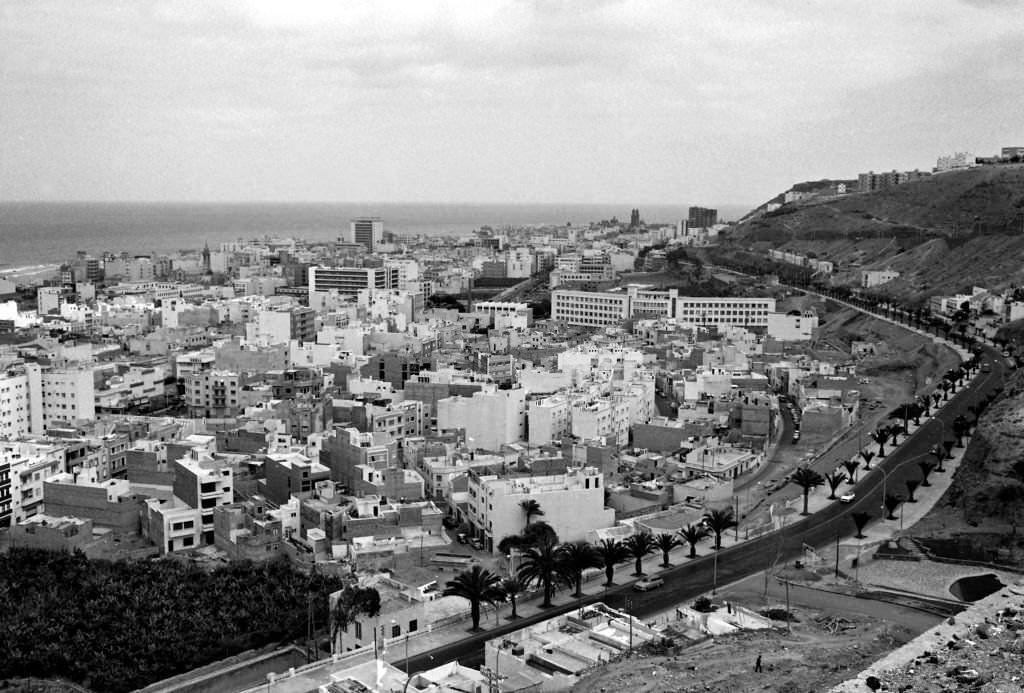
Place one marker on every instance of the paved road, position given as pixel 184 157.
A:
pixel 733 563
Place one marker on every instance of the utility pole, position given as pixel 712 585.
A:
pixel 789 616
pixel 837 554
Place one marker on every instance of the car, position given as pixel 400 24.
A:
pixel 847 497
pixel 986 368
pixel 477 544
pixel 647 584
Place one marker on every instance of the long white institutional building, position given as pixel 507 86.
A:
pixel 602 308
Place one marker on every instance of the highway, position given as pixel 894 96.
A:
pixel 689 580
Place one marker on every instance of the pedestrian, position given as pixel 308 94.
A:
pixel 757 664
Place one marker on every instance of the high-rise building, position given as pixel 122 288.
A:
pixel 634 218
pixel 702 217
pixel 365 231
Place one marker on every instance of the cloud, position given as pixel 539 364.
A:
pixel 532 99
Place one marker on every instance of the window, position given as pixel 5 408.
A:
pixel 396 630
pixel 359 630
pixel 413 625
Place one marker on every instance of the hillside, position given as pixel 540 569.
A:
pixel 942 234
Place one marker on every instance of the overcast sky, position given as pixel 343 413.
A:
pixel 632 102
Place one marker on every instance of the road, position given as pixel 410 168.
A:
pixel 689 580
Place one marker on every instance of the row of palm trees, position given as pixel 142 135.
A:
pixel 808 479
pixel 549 564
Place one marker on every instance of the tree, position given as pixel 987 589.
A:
pixel 807 479
pixel 542 566
pixel 352 602
pixel 851 470
pixel 834 479
pixel 666 541
pixel 576 557
pixel 860 520
pixel 936 398
pixel 531 508
pixel 477 585
pixel 926 468
pixel 947 445
pixel 512 587
pixel 638 546
pixel 881 436
pixel 611 552
pixel 960 428
pixel 891 502
pixel 867 456
pixel 718 521
pixel 912 485
pixel 693 535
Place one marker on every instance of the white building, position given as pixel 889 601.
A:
pixel 872 278
pixel 17 415
pixel 491 417
pixel 365 231
pixel 792 328
pixel 573 504
pixel 548 420
pixel 505 314
pixel 68 394
pixel 26 465
pixel 600 309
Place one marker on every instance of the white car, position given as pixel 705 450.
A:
pixel 847 497
pixel 646 584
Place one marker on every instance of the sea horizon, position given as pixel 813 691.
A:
pixel 34 233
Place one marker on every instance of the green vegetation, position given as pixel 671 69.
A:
pixel 121 626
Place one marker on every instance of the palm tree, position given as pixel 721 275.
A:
pixel 352 601
pixel 611 552
pixel 851 470
pixel 512 587
pixel 926 469
pixel 576 557
pixel 881 436
pixel 806 478
pixel 542 565
pixel 912 485
pixel 693 535
pixel 531 508
pixel 860 519
pixel 638 546
pixel 867 456
pixel 891 502
pixel 666 541
pixel 477 585
pixel 834 480
pixel 718 521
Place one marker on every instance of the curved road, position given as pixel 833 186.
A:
pixel 694 578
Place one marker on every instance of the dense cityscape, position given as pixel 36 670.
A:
pixel 631 346
pixel 429 428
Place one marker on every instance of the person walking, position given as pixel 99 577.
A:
pixel 757 664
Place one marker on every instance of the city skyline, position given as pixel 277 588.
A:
pixel 513 102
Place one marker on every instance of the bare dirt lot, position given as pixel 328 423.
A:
pixel 821 651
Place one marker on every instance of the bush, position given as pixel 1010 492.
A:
pixel 703 605
pixel 779 614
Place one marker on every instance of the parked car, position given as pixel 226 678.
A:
pixel 847 497
pixel 477 544
pixel 647 584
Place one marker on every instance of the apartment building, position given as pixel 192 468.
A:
pixel 203 483
pixel 548 420
pixel 17 416
pixel 349 280
pixel 573 504
pixel 365 231
pixel 24 467
pixel 491 417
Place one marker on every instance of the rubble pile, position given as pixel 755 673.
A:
pixel 980 650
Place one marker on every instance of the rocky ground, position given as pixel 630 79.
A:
pixel 980 650
pixel 822 650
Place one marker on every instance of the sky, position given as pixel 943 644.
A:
pixel 510 102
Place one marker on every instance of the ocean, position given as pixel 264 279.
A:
pixel 43 233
